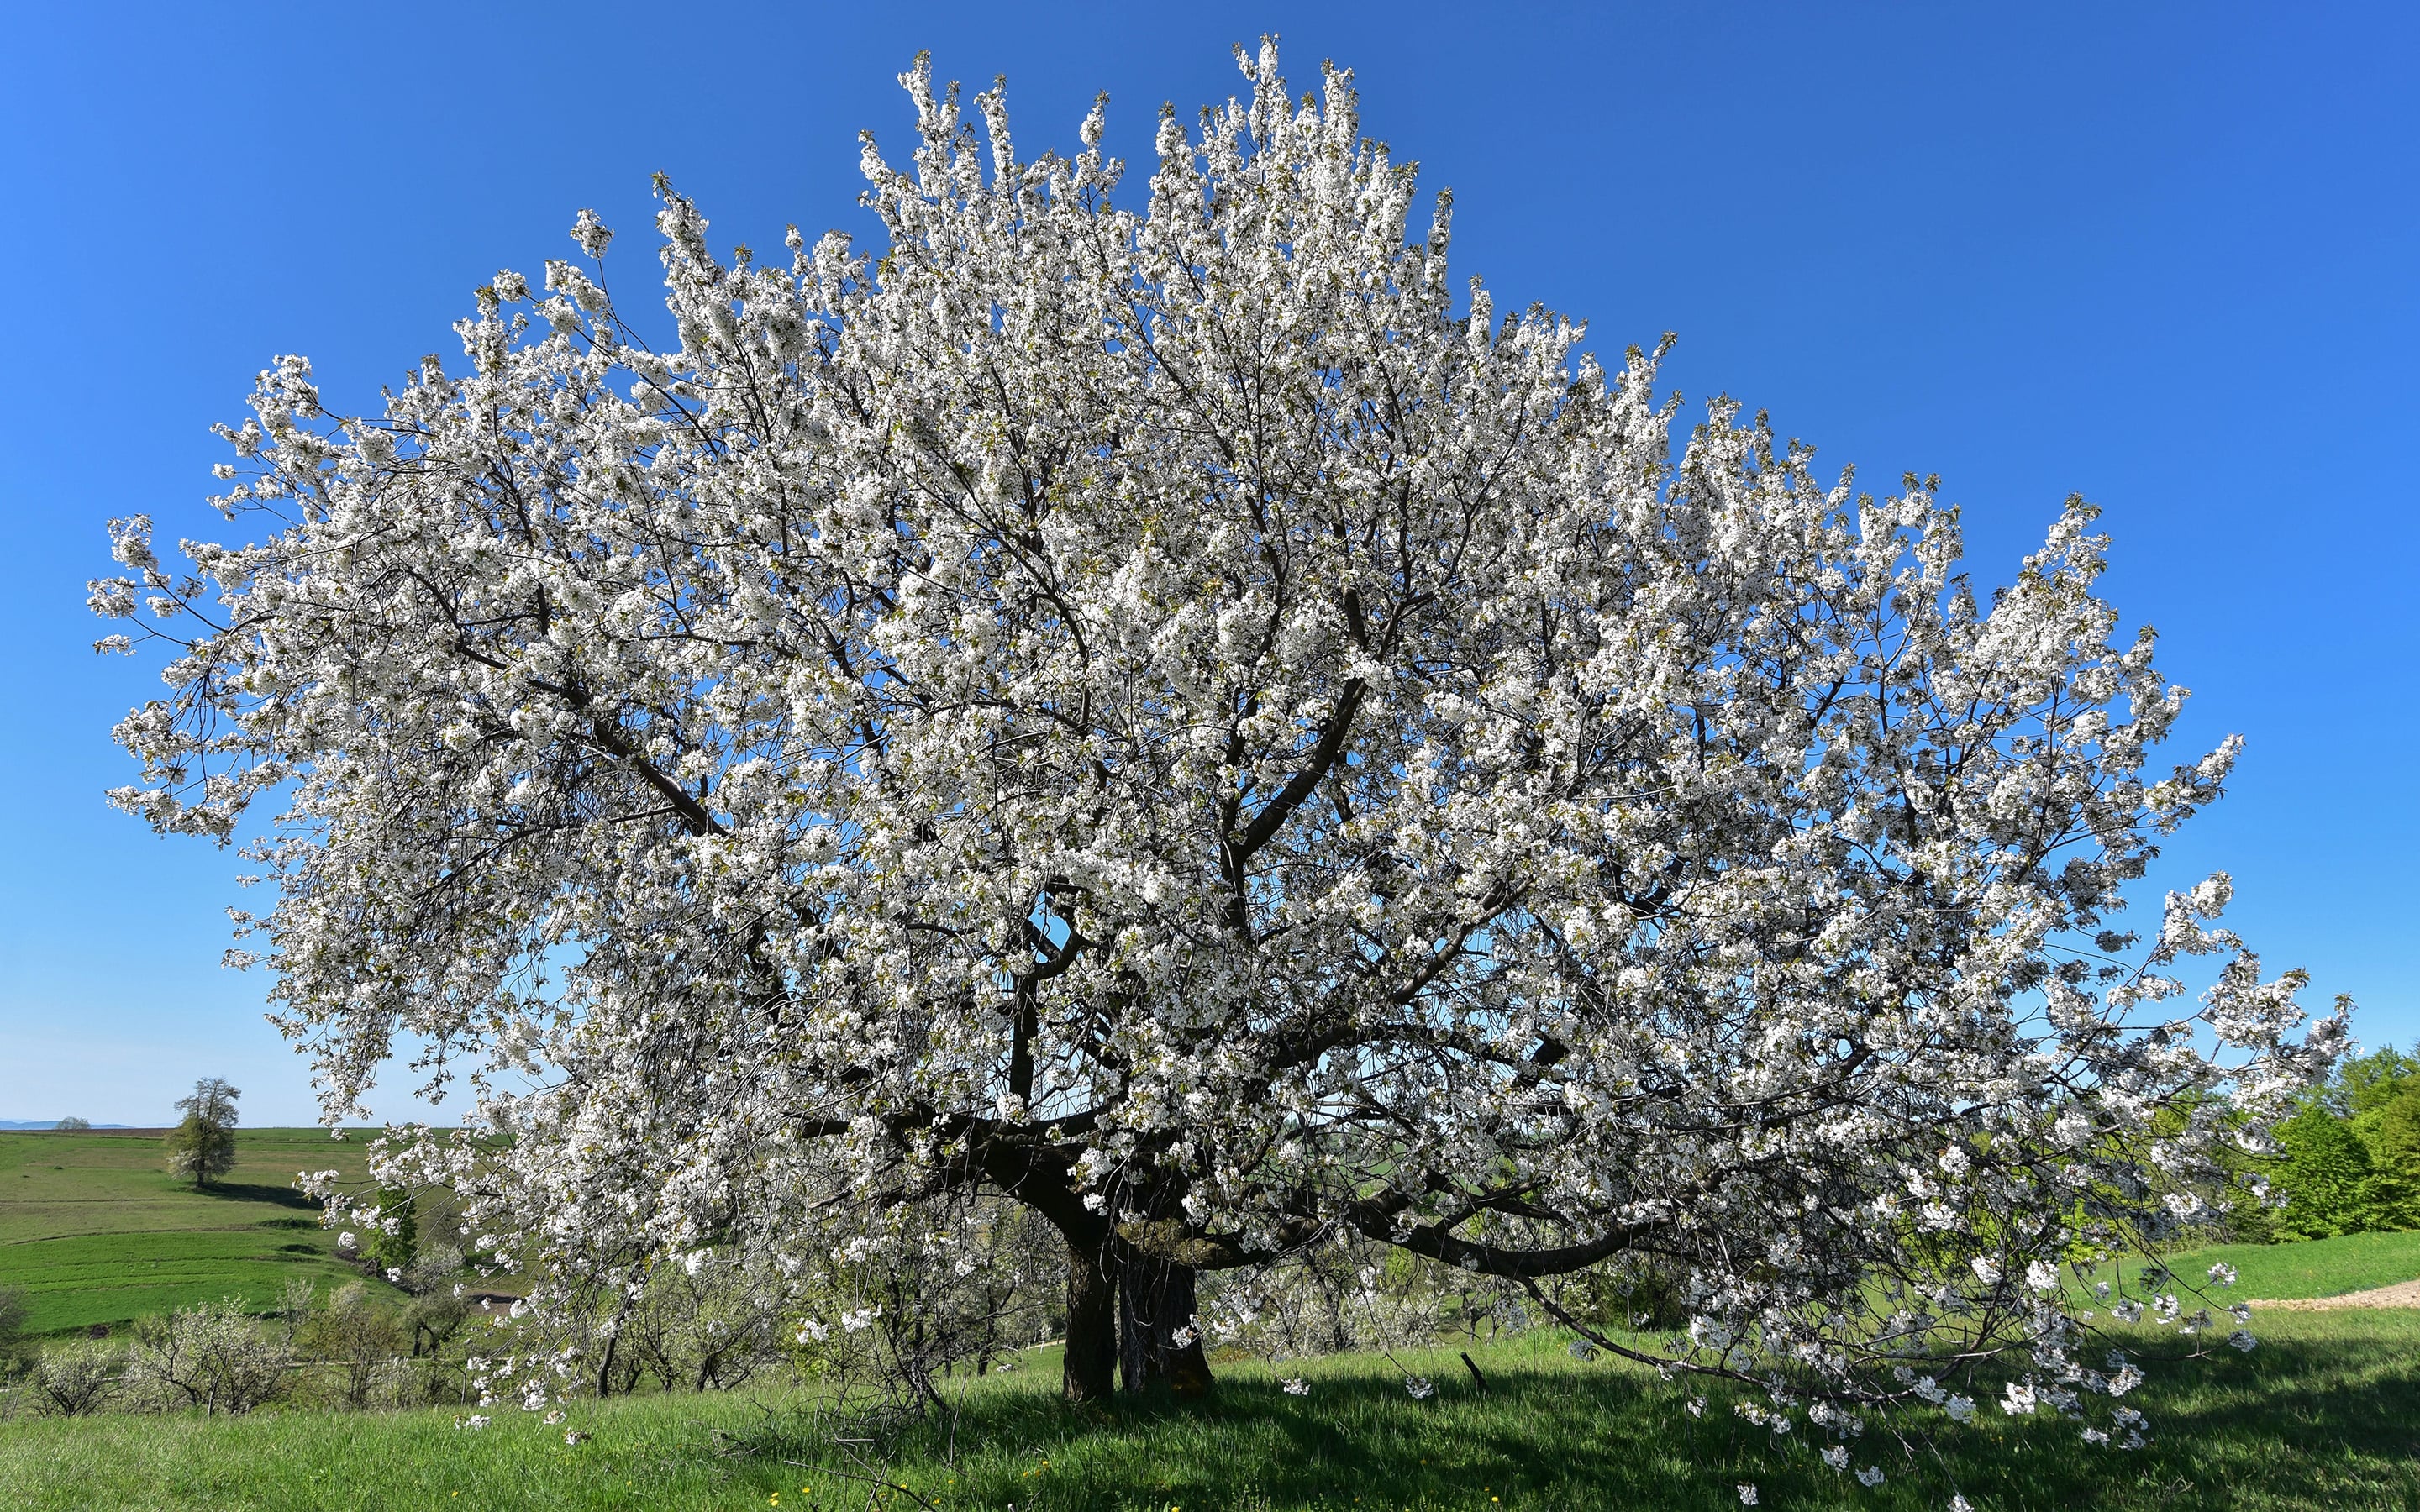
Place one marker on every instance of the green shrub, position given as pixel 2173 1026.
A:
pixel 362 1339
pixel 2324 1170
pixel 2394 1162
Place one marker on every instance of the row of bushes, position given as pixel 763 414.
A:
pixel 354 1348
pixel 892 1324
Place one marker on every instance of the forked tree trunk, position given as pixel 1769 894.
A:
pixel 1159 1339
pixel 1089 1373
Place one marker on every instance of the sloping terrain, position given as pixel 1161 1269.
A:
pixel 94 1227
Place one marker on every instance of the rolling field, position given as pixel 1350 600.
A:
pixel 2324 1416
pixel 94 1227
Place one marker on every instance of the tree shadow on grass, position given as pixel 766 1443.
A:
pixel 284 1196
pixel 2300 1423
pixel 1530 1439
pixel 2318 1424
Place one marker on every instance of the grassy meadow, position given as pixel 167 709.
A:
pixel 2313 1268
pixel 97 1231
pixel 2324 1415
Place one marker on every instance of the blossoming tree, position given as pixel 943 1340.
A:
pixel 1173 714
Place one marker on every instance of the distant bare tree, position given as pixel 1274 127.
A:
pixel 72 1124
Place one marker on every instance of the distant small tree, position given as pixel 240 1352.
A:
pixel 72 1124
pixel 202 1145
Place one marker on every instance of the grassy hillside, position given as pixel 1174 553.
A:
pixel 2311 1268
pixel 2315 1267
pixel 93 1225
pixel 2321 1417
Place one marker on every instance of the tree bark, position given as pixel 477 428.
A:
pixel 1155 1306
pixel 1089 1372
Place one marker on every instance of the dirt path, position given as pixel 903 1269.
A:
pixel 2401 1294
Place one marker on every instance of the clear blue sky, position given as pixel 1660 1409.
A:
pixel 2163 256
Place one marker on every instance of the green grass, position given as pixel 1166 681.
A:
pixel 2313 1268
pixel 93 1226
pixel 2324 1415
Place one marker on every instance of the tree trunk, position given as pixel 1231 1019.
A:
pixel 1156 1310
pixel 605 1369
pixel 1089 1373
